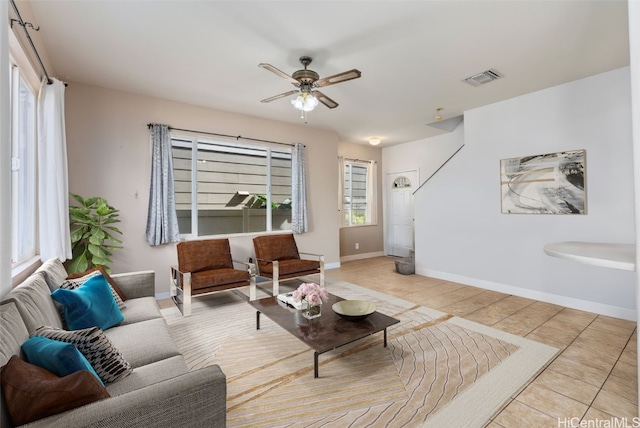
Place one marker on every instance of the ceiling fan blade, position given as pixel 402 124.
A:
pixel 275 97
pixel 338 78
pixel 325 99
pixel 280 73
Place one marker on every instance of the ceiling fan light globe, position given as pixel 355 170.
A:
pixel 305 102
pixel 298 102
pixel 310 103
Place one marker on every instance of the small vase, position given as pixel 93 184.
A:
pixel 311 312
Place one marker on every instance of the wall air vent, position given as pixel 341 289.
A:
pixel 482 78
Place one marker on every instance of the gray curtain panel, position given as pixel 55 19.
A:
pixel 299 223
pixel 162 221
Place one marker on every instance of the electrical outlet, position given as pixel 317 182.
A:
pixel 357 245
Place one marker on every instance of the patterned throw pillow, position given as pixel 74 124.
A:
pixel 105 359
pixel 73 283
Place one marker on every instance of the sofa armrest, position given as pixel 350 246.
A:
pixel 136 284
pixel 194 399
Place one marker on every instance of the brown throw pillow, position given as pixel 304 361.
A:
pixel 104 273
pixel 31 392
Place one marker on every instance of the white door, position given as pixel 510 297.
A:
pixel 399 212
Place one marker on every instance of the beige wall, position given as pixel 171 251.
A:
pixel 369 238
pixel 109 153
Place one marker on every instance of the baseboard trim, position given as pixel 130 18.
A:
pixel 569 302
pixel 361 256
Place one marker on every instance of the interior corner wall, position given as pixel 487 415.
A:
pixel 370 239
pixel 109 150
pixel 461 234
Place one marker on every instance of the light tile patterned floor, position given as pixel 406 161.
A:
pixel 593 379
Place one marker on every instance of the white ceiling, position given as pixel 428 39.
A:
pixel 413 55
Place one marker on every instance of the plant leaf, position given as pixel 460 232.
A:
pixel 79 264
pixel 96 251
pixel 96 239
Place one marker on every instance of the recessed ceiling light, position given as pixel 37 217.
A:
pixel 374 141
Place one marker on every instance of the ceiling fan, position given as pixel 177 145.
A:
pixel 307 81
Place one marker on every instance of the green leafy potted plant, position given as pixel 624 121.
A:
pixel 92 233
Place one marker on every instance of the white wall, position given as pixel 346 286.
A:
pixel 462 236
pixel 425 156
pixel 109 152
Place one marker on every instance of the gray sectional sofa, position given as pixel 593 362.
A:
pixel 159 392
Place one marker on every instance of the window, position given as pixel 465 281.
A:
pixel 358 193
pixel 23 167
pixel 226 187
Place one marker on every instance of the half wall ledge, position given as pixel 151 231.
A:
pixel 615 256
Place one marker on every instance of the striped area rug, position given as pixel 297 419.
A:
pixel 438 370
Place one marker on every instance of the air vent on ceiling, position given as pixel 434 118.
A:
pixel 482 78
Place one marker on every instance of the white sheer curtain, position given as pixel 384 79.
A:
pixel 372 192
pixel 53 185
pixel 162 220
pixel 341 210
pixel 299 221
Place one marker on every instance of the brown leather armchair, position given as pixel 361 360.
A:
pixel 206 266
pixel 277 258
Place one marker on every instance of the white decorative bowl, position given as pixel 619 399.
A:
pixel 354 310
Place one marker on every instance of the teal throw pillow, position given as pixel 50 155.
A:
pixel 90 305
pixel 60 358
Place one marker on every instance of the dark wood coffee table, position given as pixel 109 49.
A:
pixel 326 332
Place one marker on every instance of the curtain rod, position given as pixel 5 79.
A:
pixel 26 32
pixel 237 137
pixel 359 160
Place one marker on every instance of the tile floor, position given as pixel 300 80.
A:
pixel 591 383
pixel 593 379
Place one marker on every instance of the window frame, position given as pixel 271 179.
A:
pixel 21 77
pixel 370 196
pixel 231 146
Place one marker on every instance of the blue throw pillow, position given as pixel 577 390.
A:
pixel 60 358
pixel 90 305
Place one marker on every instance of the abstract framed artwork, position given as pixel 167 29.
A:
pixel 552 183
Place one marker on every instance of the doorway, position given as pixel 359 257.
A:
pixel 399 212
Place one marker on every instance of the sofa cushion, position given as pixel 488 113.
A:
pixel 54 273
pixel 218 277
pixel 33 300
pixel 13 332
pixel 149 374
pixel 276 247
pixel 96 347
pixel 31 392
pixel 90 305
pixel 291 267
pixel 60 358
pixel 144 342
pixel 102 270
pixel 141 309
pixel 76 280
pixel 205 254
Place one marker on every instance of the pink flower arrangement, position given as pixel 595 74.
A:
pixel 312 293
